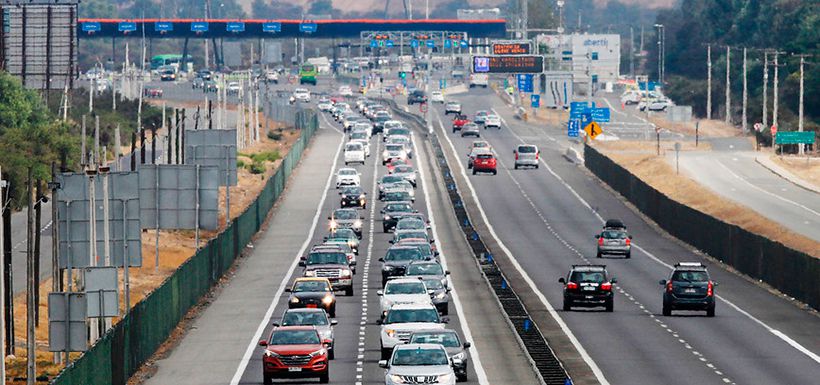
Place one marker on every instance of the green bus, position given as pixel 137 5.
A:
pixel 307 74
pixel 168 60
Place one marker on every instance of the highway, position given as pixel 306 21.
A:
pixel 545 220
pixel 219 347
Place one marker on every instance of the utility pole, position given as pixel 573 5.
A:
pixel 765 89
pixel 56 274
pixel 31 370
pixel 2 285
pixel 728 117
pixel 801 146
pixel 774 108
pixel 631 52
pixel 709 82
pixel 743 123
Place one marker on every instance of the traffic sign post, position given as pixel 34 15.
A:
pixel 573 128
pixel 535 101
pixel 525 82
pixel 593 129
pixel 794 137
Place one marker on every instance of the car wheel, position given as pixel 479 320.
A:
pixel 495 172
pixel 598 255
pixel 385 353
pixel 461 377
pixel 324 378
pixel 628 254
pixel 266 378
pixel 349 291
pixel 536 167
pixel 610 306
pixel 516 167
pixel 474 171
pixel 567 305
pixel 667 311
pixel 710 312
pixel 331 354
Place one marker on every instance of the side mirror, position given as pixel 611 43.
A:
pixel 381 259
pixel 613 280
pixel 714 284
pixel 446 272
pixel 467 345
pixel 287 290
pixel 630 237
pixel 301 263
pixel 263 343
pixel 445 320
pixel 275 324
pixel 392 241
pixel 334 322
pixel 597 236
pixel 329 216
pixel 380 293
pixel 436 253
pixel 662 282
pixel 562 280
pixel 383 364
pixel 352 263
pixel 379 322
pixel 432 240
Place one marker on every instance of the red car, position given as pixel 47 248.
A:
pixel 397 162
pixel 154 92
pixel 459 121
pixel 484 163
pixel 294 352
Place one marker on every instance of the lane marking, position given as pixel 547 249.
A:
pixel 599 375
pixel 758 188
pixel 240 370
pixel 796 345
pixel 481 375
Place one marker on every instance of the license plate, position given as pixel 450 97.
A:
pixel 589 288
pixel 588 297
pixel 294 369
pixel 689 290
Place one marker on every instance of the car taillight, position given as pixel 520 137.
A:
pixel 601 241
pixel 537 154
pixel 709 289
pixel 669 287
pixel 628 241
pixel 606 286
pixel 572 285
pixel 516 156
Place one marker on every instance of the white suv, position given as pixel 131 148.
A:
pixel 302 95
pixel 403 290
pixel 418 364
pixel 404 319
pixel 347 177
pixel 354 153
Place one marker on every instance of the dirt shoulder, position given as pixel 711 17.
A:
pixel 640 158
pixel 807 169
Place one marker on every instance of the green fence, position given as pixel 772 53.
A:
pixel 790 271
pixel 120 352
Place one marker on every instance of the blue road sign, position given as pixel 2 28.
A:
pixel 448 43
pixel 272 27
pixel 525 82
pixel 600 115
pixel 535 101
pixel 307 27
pixel 92 26
pixel 374 43
pixel 163 26
pixel 235 26
pixel 127 26
pixel 199 26
pixel 573 128
pixel 464 44
pixel 431 43
pixel 442 83
pixel 388 43
pixel 414 43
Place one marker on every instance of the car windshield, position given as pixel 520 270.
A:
pixel 433 284
pixel 399 131
pixel 353 147
pixel 342 233
pixel 423 248
pixel 690 276
pixel 480 145
pixel 419 357
pixel 411 234
pixel 396 196
pixel 587 276
pixel 326 258
pixel 526 149
pixel 403 169
pixel 352 191
pixel 304 318
pixel 394 147
pixel 446 339
pixel 613 234
pixel 346 214
pixel 387 179
pixel 485 156
pixel 412 315
pixel 358 135
pixel 403 254
pixel 294 337
pixel 398 208
pixel 347 172
pixel 425 269
pixel 410 224
pixel 405 288
pixel 310 286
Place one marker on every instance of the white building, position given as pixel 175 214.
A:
pixel 588 56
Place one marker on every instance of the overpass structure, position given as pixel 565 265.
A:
pixel 255 28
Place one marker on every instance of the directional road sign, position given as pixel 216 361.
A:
pixel 92 26
pixel 414 43
pixel 600 115
pixel 794 137
pixel 593 130
pixel 307 27
pixel 199 26
pixel 535 101
pixel 163 26
pixel 573 128
pixel 525 82
pixel 431 43
pixel 127 26
pixel 235 26
pixel 272 27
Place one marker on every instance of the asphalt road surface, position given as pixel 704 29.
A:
pixel 220 347
pixel 547 217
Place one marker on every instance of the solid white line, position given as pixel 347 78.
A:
pixel 599 375
pixel 778 197
pixel 796 345
pixel 269 313
pixel 481 375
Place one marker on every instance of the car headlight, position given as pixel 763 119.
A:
pixel 318 352
pixel 445 377
pixel 396 379
pixel 357 224
pixel 388 267
pixel 310 273
pixel 327 300
pixel 294 300
pixel 412 193
pixel 459 356
pixel 270 353
pixel 345 273
pixel 361 197
pixel 332 224
pixel 387 217
pixel 390 332
pixel 344 196
pixel 441 295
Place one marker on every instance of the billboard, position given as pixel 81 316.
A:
pixel 511 48
pixel 508 64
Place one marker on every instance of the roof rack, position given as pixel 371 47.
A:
pixel 589 265
pixel 690 264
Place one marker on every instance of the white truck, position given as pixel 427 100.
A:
pixel 479 80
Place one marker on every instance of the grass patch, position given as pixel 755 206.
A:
pixel 266 156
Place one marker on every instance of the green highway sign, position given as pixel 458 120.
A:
pixel 794 137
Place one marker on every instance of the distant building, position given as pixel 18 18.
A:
pixel 595 58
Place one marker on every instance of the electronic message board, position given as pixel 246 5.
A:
pixel 511 48
pixel 508 64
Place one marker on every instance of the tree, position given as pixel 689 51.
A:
pixel 321 7
pixel 97 9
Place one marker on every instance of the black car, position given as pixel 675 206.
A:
pixel 353 197
pixel 378 123
pixel 689 288
pixel 395 262
pixel 416 96
pixel 312 293
pixel 393 211
pixel 588 286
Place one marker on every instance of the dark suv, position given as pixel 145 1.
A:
pixel 588 286
pixel 416 96
pixel 689 288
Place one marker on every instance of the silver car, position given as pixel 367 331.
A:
pixel 402 185
pixel 316 318
pixel 406 172
pixel 526 155
pixel 456 350
pixel 614 241
pixel 418 364
pixel 346 218
pixel 470 129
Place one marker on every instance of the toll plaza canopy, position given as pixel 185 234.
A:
pixel 316 29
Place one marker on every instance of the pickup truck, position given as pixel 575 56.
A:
pixel 459 121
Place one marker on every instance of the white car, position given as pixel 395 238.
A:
pixel 348 177
pixel 404 319
pixel 452 107
pixel 656 105
pixel 354 153
pixel 403 291
pixel 419 364
pixel 393 151
pixel 324 105
pixel 233 88
pixel 345 91
pixel 492 120
pixel 362 139
pixel 302 95
pixel 437 97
